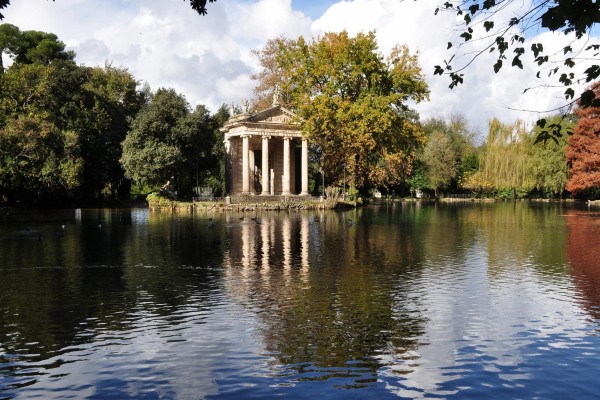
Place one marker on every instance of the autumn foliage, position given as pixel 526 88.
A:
pixel 354 103
pixel 583 153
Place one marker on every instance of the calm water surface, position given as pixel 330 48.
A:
pixel 394 301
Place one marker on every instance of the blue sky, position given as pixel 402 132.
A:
pixel 312 8
pixel 209 59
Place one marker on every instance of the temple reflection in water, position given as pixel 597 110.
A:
pixel 268 249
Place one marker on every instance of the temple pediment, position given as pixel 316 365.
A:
pixel 276 114
pixel 274 121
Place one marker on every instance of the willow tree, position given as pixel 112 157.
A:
pixel 353 103
pixel 504 162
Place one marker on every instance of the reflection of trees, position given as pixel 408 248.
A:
pixel 328 295
pixel 356 295
pixel 170 257
pixel 520 234
pixel 96 275
pixel 583 254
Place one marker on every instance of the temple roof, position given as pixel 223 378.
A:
pixel 273 121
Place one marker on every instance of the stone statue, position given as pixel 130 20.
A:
pixel 276 94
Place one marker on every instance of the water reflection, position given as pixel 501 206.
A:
pixel 584 257
pixel 397 300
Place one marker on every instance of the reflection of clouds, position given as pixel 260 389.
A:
pixel 158 351
pixel 486 328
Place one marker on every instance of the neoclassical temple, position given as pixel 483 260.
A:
pixel 266 153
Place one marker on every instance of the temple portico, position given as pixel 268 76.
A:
pixel 266 154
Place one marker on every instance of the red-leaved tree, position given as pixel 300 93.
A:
pixel 583 153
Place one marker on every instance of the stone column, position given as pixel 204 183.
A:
pixel 228 158
pixel 265 166
pixel 285 190
pixel 304 191
pixel 245 165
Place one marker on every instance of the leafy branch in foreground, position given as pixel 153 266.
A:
pixel 503 27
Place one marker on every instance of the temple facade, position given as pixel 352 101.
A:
pixel 266 154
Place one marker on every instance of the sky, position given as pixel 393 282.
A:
pixel 209 60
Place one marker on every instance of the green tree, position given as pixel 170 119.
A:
pixel 354 105
pixel 418 180
pixel 167 142
pixel 91 106
pixel 547 162
pixel 37 158
pixel 215 165
pixel 504 162
pixel 449 153
pixel 108 101
pixel 151 149
pixel 439 158
pixel 32 47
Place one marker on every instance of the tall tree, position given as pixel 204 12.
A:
pixel 91 106
pixel 107 101
pixel 440 160
pixel 32 47
pixel 504 162
pixel 271 75
pixel 449 153
pixel 353 104
pixel 583 153
pixel 167 142
pixel 547 162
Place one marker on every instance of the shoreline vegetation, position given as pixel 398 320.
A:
pixel 158 203
pixel 161 203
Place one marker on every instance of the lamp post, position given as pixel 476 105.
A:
pixel 323 180
pixel 344 194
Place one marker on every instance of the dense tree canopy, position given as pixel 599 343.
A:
pixel 167 142
pixel 31 47
pixel 504 162
pixel 85 111
pixel 547 163
pixel 61 124
pixel 583 153
pixel 447 153
pixel 354 104
pixel 36 157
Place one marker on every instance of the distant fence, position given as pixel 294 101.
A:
pixel 254 199
pixel 245 199
pixel 460 196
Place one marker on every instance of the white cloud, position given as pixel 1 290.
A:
pixel 208 58
pixel 266 19
pixel 484 94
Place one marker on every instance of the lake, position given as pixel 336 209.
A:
pixel 401 300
